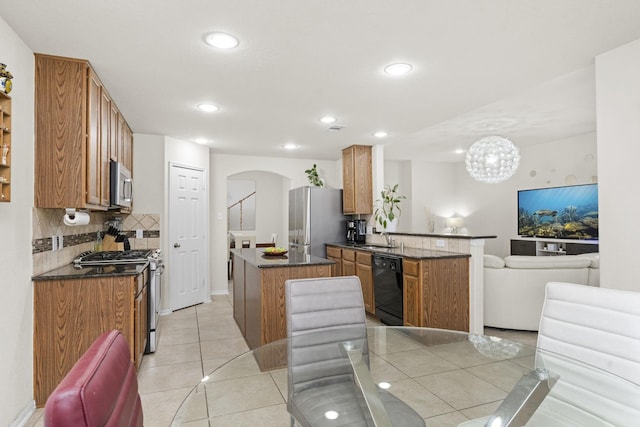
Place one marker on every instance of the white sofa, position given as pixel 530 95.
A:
pixel 514 286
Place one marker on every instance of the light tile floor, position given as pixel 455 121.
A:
pixel 197 340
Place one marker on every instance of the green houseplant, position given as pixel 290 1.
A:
pixel 388 208
pixel 313 176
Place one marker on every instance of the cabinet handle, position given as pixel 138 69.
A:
pixel 176 245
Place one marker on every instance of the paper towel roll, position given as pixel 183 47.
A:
pixel 78 218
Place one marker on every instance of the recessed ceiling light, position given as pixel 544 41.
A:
pixel 201 141
pixel 328 119
pixel 381 134
pixel 397 69
pixel 290 146
pixel 221 40
pixel 460 151
pixel 208 108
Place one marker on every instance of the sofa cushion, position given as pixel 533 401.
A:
pixel 492 261
pixel 545 262
pixel 594 257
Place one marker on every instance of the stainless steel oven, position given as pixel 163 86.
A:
pixel 156 268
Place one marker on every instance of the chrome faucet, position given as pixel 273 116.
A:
pixel 389 239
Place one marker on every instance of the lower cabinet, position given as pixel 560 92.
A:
pixel 335 254
pixel 364 271
pixel 436 293
pixel 412 294
pixel 355 263
pixel 69 314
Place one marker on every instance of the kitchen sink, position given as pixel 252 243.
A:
pixel 372 247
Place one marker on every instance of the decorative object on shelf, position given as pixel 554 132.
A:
pixel 5 151
pixel 455 223
pixel 492 159
pixel 5 79
pixel 388 210
pixel 313 176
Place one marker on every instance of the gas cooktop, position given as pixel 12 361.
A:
pixel 135 256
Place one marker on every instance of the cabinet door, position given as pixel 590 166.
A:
pixel 94 165
pixel 412 293
pixel 348 268
pixel 105 135
pixel 364 271
pixel 113 132
pixel 348 181
pixel 127 147
pixel 335 254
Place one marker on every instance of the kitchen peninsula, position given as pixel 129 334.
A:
pixel 258 290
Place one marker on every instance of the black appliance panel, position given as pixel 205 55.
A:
pixel 388 288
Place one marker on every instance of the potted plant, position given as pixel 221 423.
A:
pixel 313 176
pixel 388 210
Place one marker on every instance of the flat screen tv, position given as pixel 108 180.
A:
pixel 559 212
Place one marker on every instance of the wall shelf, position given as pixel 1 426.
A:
pixel 5 147
pixel 552 247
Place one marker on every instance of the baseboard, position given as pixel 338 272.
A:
pixel 24 415
pixel 220 292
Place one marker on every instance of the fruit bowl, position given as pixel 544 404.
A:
pixel 277 251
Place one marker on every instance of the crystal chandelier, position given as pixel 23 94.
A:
pixel 492 159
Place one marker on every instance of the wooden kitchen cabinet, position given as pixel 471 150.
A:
pixel 412 292
pixel 364 271
pixel 356 263
pixel 335 254
pixel 5 144
pixel 75 135
pixel 69 314
pixel 357 180
pixel 436 293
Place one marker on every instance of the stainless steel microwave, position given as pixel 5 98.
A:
pixel 121 188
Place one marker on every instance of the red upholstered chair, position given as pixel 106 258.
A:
pixel 100 390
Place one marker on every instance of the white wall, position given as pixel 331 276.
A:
pixel 434 189
pixel 16 304
pixel 400 173
pixel 269 201
pixel 491 209
pixel 148 174
pixel 223 166
pixel 618 117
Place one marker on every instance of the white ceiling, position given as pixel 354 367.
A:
pixel 523 69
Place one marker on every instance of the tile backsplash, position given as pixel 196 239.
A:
pixel 48 223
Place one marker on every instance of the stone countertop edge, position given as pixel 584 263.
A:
pixel 407 252
pixel 445 235
pixel 69 271
pixel 257 258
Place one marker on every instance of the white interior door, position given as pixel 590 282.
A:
pixel 187 231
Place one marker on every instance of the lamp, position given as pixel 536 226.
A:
pixel 454 223
pixel 492 159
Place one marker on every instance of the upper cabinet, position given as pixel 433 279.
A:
pixel 357 192
pixel 78 128
pixel 5 147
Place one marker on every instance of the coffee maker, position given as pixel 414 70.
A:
pixel 361 231
pixel 351 231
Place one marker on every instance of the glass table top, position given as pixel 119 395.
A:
pixel 447 377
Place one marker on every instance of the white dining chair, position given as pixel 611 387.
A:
pixel 582 328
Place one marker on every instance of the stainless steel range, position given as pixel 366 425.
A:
pixel 154 286
pixel 136 256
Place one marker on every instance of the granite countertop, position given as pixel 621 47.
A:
pixel 70 271
pixel 398 251
pixel 257 258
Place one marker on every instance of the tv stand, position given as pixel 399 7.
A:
pixel 550 247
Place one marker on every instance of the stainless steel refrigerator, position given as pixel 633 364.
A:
pixel 315 218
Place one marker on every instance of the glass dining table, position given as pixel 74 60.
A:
pixel 449 378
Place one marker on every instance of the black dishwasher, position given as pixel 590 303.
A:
pixel 387 286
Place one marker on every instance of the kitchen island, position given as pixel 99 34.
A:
pixel 258 290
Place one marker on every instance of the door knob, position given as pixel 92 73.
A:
pixel 176 245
